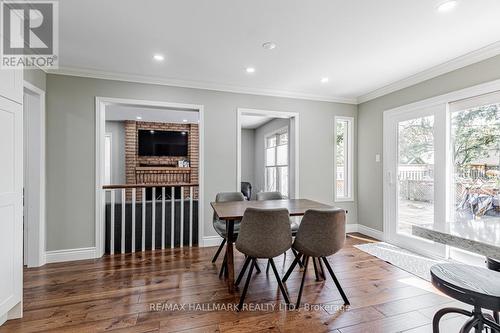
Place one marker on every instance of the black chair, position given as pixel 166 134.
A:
pixel 472 285
pixel 246 190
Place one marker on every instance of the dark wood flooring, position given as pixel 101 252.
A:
pixel 122 293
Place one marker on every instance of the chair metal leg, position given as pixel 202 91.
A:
pixel 442 312
pixel 223 267
pixel 496 316
pixel 306 261
pixel 247 282
pixel 321 270
pixel 470 324
pixel 296 254
pixel 339 287
pixel 257 268
pixel 494 326
pixel 292 266
pixel 221 246
pixel 315 269
pixel 242 272
pixel 282 288
pixel 267 268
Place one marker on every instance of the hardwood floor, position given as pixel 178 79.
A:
pixel 132 293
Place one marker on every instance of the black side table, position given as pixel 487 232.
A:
pixel 476 286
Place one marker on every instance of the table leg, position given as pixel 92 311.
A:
pixel 229 254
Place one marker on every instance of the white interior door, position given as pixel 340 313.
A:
pixel 11 208
pixel 414 171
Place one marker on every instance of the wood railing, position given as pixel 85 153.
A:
pixel 188 191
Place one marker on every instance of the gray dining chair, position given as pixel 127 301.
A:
pixel 321 234
pixel 220 225
pixel 294 225
pixel 264 234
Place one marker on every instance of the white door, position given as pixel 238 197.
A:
pixel 414 172
pixel 11 206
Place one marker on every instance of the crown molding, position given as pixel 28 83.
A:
pixel 97 74
pixel 454 64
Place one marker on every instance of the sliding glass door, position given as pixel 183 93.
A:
pixel 412 167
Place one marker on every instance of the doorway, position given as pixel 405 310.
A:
pixel 149 186
pixel 413 166
pixel 34 175
pixel 267 152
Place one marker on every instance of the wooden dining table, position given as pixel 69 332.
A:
pixel 232 211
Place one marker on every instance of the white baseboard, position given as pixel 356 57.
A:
pixel 374 233
pixel 211 241
pixel 70 255
pixel 350 227
pixel 3 319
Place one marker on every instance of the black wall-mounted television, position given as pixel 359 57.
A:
pixel 163 143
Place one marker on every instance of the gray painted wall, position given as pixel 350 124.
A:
pixel 370 124
pixel 71 147
pixel 247 155
pixel 117 131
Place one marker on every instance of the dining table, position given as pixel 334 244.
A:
pixel 232 211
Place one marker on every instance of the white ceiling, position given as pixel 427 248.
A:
pixel 122 112
pixel 253 121
pixel 360 45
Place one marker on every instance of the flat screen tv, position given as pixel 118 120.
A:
pixel 163 143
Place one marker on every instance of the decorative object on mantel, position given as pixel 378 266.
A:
pixel 183 164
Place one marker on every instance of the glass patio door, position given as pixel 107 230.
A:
pixel 414 176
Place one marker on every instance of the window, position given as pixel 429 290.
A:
pixel 475 159
pixel 276 162
pixel 107 159
pixel 343 155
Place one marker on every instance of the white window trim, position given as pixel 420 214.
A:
pixel 350 159
pixel 110 136
pixel 266 136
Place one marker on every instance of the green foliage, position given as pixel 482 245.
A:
pixel 475 136
pixel 476 133
pixel 416 141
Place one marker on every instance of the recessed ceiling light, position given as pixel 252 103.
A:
pixel 138 117
pixel 250 70
pixel 447 6
pixel 269 45
pixel 185 120
pixel 158 57
pixel 324 80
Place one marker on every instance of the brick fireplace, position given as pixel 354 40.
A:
pixel 160 169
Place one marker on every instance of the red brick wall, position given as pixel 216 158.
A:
pixel 156 172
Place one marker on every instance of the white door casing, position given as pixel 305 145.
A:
pixel 11 197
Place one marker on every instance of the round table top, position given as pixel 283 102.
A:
pixel 468 279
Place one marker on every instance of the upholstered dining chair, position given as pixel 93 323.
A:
pixel 294 225
pixel 321 234
pixel 264 234
pixel 220 225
